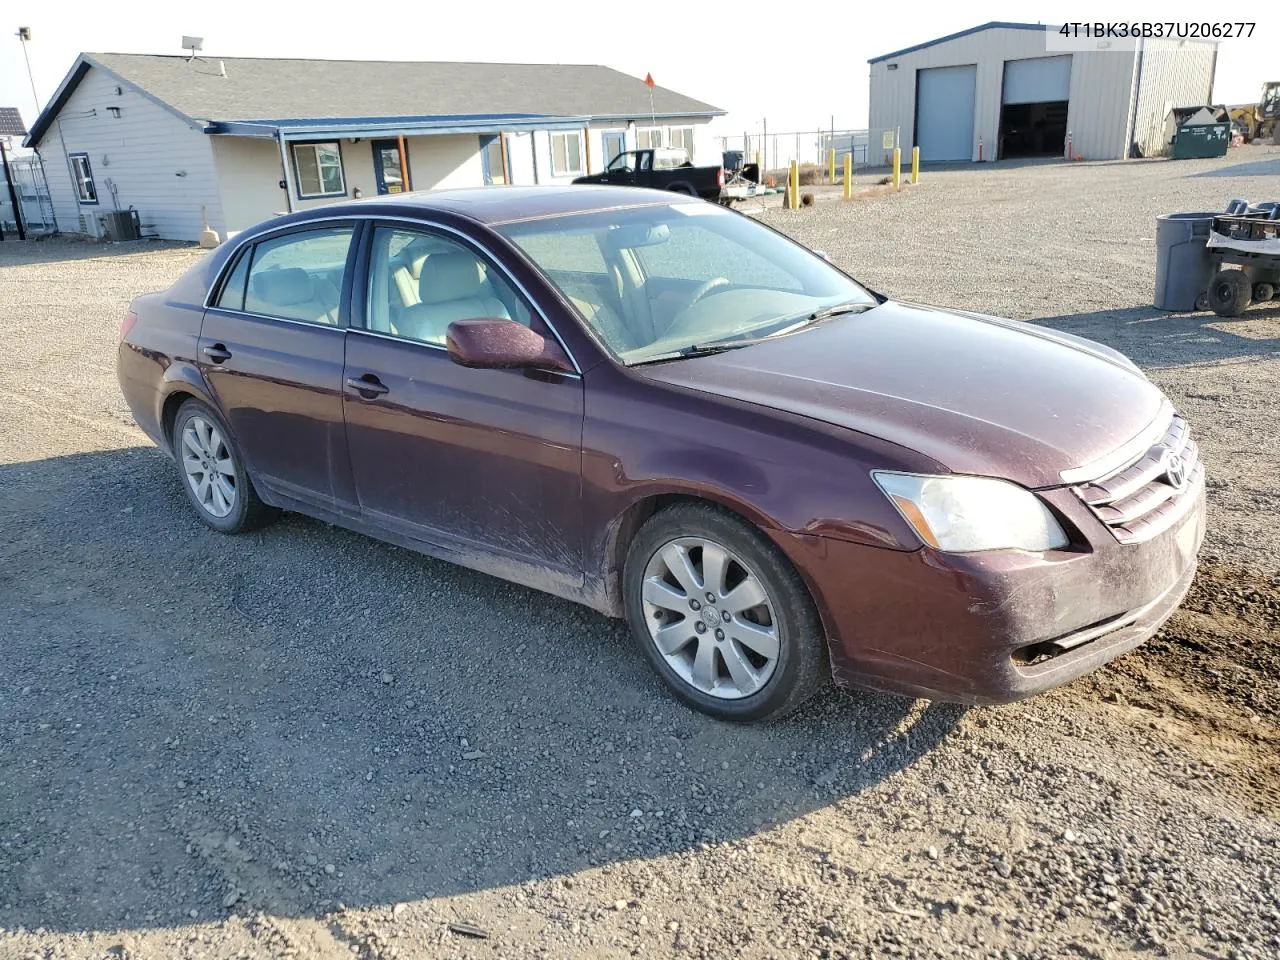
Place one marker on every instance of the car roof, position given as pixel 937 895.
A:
pixel 504 204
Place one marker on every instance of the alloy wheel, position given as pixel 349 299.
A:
pixel 710 617
pixel 209 467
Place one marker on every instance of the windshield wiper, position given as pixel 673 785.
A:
pixel 804 321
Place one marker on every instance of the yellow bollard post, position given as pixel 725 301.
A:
pixel 794 185
pixel 848 176
pixel 758 163
pixel 915 164
pixel 897 168
pixel 831 166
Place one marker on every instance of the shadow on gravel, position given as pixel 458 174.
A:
pixel 1155 338
pixel 303 717
pixel 1252 168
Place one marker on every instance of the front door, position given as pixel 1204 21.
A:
pixel 493 159
pixel 271 350
pixel 387 172
pixel 482 462
pixel 613 143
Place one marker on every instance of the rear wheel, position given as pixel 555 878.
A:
pixel 1262 292
pixel 213 472
pixel 1229 293
pixel 722 616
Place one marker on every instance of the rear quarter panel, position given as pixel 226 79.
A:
pixel 157 358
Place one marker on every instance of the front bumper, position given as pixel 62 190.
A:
pixel 995 627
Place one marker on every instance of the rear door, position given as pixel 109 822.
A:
pixel 271 349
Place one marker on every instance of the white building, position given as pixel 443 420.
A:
pixel 1002 90
pixel 232 140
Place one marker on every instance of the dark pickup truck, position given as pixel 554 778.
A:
pixel 661 169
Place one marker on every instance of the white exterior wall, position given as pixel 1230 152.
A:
pixel 520 158
pixel 141 154
pixel 1170 75
pixel 438 163
pixel 249 174
pixel 1100 100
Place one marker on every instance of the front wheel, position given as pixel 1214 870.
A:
pixel 1229 293
pixel 721 615
pixel 213 472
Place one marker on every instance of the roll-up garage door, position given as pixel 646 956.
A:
pixel 944 112
pixel 1039 80
pixel 1033 109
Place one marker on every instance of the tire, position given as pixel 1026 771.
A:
pixel 1229 293
pixel 745 684
pixel 1262 292
pixel 203 448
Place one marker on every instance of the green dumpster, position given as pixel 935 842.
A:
pixel 1200 140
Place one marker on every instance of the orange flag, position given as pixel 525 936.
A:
pixel 648 80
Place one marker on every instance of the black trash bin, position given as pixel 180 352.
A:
pixel 1182 262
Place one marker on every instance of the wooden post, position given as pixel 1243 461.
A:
pixel 502 149
pixel 404 163
pixel 848 176
pixel 586 146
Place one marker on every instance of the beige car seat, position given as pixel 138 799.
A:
pixel 293 293
pixel 452 286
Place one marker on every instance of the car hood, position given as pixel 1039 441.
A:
pixel 980 394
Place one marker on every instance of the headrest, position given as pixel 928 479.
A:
pixel 450 276
pixel 282 287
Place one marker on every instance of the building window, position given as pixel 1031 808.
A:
pixel 566 154
pixel 318 167
pixel 683 137
pixel 86 192
pixel 649 139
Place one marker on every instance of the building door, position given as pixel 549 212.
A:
pixel 386 166
pixel 1033 107
pixel 944 112
pixel 614 143
pixel 493 158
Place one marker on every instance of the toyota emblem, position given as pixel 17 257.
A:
pixel 1175 470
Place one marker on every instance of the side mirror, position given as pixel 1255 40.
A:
pixel 496 342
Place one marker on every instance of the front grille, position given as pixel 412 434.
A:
pixel 1143 499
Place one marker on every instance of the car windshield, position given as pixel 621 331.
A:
pixel 666 280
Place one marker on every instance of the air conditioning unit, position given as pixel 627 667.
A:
pixel 123 225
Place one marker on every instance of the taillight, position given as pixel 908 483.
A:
pixel 720 177
pixel 130 319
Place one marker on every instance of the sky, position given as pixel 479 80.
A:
pixel 797 72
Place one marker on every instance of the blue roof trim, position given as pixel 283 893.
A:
pixel 993 25
pixel 299 127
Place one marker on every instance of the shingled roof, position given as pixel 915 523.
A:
pixel 270 89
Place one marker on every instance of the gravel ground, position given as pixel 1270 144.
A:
pixel 306 743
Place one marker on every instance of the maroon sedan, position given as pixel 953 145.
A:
pixel 673 414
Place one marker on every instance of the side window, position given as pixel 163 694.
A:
pixel 232 295
pixel 299 276
pixel 419 283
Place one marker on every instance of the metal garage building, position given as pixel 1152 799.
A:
pixel 1000 90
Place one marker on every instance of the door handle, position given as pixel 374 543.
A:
pixel 368 386
pixel 217 353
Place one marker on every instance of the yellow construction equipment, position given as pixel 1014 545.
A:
pixel 1261 120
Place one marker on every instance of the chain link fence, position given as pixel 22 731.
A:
pixel 870 148
pixel 33 196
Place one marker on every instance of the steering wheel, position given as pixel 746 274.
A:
pixel 704 289
pixel 677 322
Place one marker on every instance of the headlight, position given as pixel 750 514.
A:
pixel 964 514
